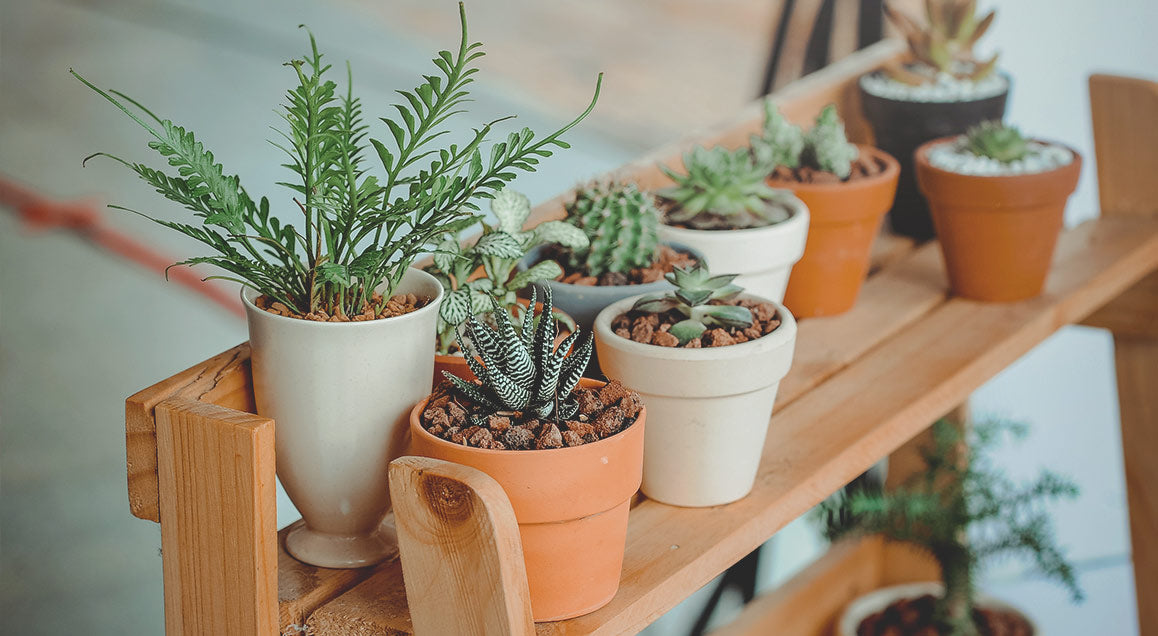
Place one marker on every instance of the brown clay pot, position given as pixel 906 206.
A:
pixel 571 505
pixel 997 233
pixel 456 365
pixel 846 218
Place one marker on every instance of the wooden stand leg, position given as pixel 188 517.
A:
pixel 462 558
pixel 1136 359
pixel 218 520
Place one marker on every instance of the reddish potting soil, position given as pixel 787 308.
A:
pixel 666 260
pixel 603 412
pixel 397 306
pixel 914 617
pixel 653 328
pixel 863 167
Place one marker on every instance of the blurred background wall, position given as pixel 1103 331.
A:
pixel 80 330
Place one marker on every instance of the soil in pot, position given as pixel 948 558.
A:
pixel 651 328
pixel 398 305
pixel 914 617
pixel 711 222
pixel 846 217
pixel 666 259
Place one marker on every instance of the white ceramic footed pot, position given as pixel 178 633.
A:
pixel 707 409
pixel 763 256
pixel 340 395
pixel 877 600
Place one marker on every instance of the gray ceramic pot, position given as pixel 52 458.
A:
pixel 584 302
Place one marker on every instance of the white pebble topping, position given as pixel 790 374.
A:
pixel 945 88
pixel 956 157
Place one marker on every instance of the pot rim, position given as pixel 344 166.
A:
pixel 921 154
pixel 779 337
pixel 1005 93
pixel 798 213
pixel 248 294
pixel 893 593
pixel 890 173
pixel 679 247
pixel 587 383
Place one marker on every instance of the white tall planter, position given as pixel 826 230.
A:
pixel 763 256
pixel 864 606
pixel 707 409
pixel 340 395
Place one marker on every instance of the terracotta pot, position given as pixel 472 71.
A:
pixel 997 233
pixel 877 600
pixel 900 126
pixel 846 218
pixel 337 428
pixel 709 408
pixel 456 365
pixel 762 256
pixel 571 505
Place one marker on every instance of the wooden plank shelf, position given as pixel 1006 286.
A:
pixel 862 385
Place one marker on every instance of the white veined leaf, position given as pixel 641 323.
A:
pixel 456 307
pixel 499 245
pixel 561 233
pixel 545 270
pixel 446 253
pixel 512 209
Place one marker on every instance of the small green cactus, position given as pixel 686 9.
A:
pixel 523 372
pixel 780 143
pixel 622 227
pixel 695 287
pixel 946 43
pixel 724 189
pixel 996 140
pixel 826 147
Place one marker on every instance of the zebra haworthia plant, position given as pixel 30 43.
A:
pixel 524 372
pixel 695 289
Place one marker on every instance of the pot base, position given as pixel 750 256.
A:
pixel 341 551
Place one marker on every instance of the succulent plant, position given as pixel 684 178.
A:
pixel 724 189
pixel 780 142
pixel 695 288
pixel 523 372
pixel 496 254
pixel 945 44
pixel 621 223
pixel 826 147
pixel 996 140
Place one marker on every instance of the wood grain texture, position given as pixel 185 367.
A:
pixel 218 520
pixel 462 557
pixel 1134 313
pixel 223 380
pixel 303 588
pixel 1136 361
pixel 1124 111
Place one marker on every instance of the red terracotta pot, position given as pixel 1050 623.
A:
pixel 571 505
pixel 846 218
pixel 997 233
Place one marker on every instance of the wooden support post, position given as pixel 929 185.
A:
pixel 218 520
pixel 462 558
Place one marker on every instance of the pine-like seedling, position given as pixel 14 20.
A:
pixel 963 512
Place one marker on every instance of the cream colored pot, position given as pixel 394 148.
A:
pixel 707 409
pixel 763 256
pixel 340 395
pixel 877 600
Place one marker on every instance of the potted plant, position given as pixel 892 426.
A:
pixel 847 188
pixel 340 325
pixel 567 451
pixel 998 201
pixel 942 90
pixel 723 209
pixel 962 511
pixel 623 256
pixel 474 275
pixel 707 360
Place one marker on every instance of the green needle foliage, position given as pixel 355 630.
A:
pixel 963 511
pixel 358 232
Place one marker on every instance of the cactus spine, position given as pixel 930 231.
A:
pixel 622 225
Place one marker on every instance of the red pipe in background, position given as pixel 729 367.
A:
pixel 83 219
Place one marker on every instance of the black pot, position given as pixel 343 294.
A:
pixel 900 126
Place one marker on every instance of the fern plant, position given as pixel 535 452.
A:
pixel 358 232
pixel 525 372
pixel 496 255
pixel 963 512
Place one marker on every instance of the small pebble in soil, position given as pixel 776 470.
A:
pixel 653 329
pixel 955 156
pixel 943 88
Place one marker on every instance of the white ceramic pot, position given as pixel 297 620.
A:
pixel 762 256
pixel 340 395
pixel 877 600
pixel 707 409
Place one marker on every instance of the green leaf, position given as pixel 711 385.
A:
pixel 512 209
pixel 456 307
pixel 334 273
pixel 544 270
pixel 729 315
pixel 499 245
pixel 447 252
pixel 687 330
pixel 560 233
